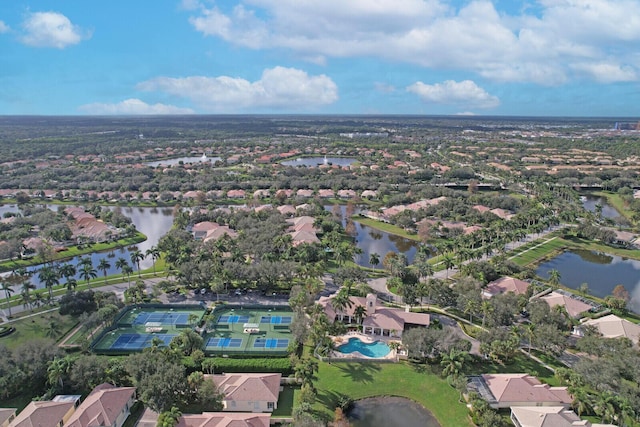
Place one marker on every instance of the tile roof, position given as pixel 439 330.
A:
pixel 42 414
pixel 504 285
pixel 245 387
pixel 612 326
pixel 101 407
pixel 573 306
pixel 224 419
pixel 517 388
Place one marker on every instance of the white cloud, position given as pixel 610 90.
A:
pixel 465 93
pixel 51 29
pixel 4 28
pixel 132 107
pixel 607 72
pixel 278 87
pixel 550 44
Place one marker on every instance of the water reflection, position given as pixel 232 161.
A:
pixel 317 161
pixel 589 203
pixel 577 267
pixel 151 221
pixel 371 241
pixel 172 162
pixel 390 412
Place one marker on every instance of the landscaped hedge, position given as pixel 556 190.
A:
pixel 281 365
pixel 6 330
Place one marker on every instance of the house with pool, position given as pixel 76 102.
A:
pixel 376 320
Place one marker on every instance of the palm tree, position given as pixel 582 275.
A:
pixel 8 290
pixel 470 308
pixel 487 308
pixel 453 363
pixel 68 271
pixel 155 254
pixel 104 266
pixel 26 294
pixel 554 278
pixel 341 300
pixel 359 312
pixel 57 369
pixel 72 283
pixel 530 331
pixel 169 418
pixel 87 272
pixel 582 401
pixel 127 270
pixel 374 259
pixel 136 256
pixel 49 276
pixel 448 262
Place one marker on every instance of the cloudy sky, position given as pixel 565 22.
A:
pixel 500 57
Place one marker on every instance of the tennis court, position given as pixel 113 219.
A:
pixel 218 343
pixel 271 343
pixel 136 327
pixel 171 318
pixel 233 319
pixel 276 320
pixel 238 330
pixel 139 341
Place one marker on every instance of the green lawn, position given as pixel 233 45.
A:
pixel 286 401
pixel 389 228
pixel 38 327
pixel 359 380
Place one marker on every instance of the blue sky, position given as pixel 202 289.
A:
pixel 501 57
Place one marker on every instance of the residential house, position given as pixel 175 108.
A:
pixel 287 210
pixel 573 306
pixel 509 390
pixel 248 392
pixel 224 419
pixel 236 194
pixel 44 413
pixel 326 193
pixel 612 326
pixel 347 194
pixel 200 230
pixel 378 320
pixel 6 416
pixel 304 193
pixel 504 285
pixel 106 405
pixel 369 194
pixel 548 416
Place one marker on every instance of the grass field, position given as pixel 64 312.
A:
pixel 49 325
pixel 383 226
pixel 359 380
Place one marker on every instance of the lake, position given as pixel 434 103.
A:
pixel 152 222
pixel 318 160
pixel 589 202
pixel 390 412
pixel 172 162
pixel 602 272
pixel 370 241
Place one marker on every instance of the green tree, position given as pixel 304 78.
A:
pixel 554 278
pixel 49 276
pixel 104 266
pixel 169 418
pixel 136 256
pixel 453 363
pixel 155 254
pixel 8 290
pixel 374 259
pixel 87 272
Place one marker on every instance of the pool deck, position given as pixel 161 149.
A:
pixel 341 339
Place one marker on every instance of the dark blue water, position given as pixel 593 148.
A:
pixel 390 412
pixel 602 272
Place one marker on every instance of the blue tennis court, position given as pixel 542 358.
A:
pixel 139 341
pixel 271 343
pixel 164 318
pixel 276 320
pixel 233 319
pixel 224 342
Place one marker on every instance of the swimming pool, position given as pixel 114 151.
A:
pixel 376 349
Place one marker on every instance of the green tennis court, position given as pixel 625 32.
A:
pixel 235 330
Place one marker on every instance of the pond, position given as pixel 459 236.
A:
pixel 371 241
pixel 589 202
pixel 152 222
pixel 602 272
pixel 390 412
pixel 318 160
pixel 176 161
